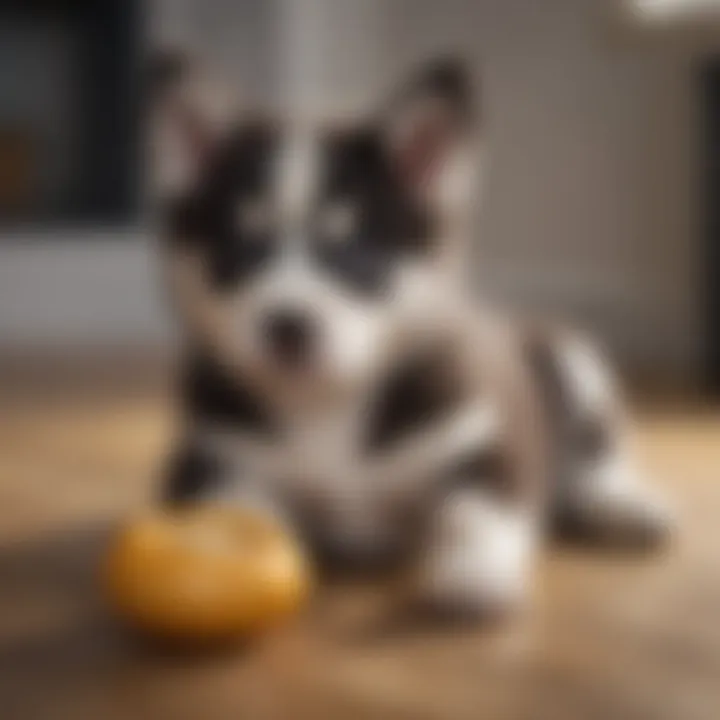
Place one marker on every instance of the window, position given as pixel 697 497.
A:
pixel 69 147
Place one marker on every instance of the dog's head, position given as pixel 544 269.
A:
pixel 299 249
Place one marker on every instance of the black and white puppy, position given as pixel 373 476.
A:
pixel 335 371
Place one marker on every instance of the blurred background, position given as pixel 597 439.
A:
pixel 602 120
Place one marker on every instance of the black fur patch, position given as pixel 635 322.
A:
pixel 192 472
pixel 489 469
pixel 359 172
pixel 211 394
pixel 420 391
pixel 207 217
pixel 445 79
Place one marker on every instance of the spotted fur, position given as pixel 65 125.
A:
pixel 338 372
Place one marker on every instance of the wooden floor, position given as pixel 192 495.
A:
pixel 607 637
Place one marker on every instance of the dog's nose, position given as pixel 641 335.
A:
pixel 289 335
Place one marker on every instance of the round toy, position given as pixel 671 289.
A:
pixel 205 574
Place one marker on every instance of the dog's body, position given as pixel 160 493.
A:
pixel 338 373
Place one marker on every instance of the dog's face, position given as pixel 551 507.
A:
pixel 301 250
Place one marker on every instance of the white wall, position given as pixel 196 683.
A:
pixel 592 186
pixel 79 289
pixel 593 182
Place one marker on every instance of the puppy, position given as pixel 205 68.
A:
pixel 337 371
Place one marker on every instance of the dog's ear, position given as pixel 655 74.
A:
pixel 189 110
pixel 429 119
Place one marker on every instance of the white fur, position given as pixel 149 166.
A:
pixel 297 170
pixel 350 333
pixel 591 383
pixel 353 336
pixel 472 428
pixel 321 460
pixel 479 554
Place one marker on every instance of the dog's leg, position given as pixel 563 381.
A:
pixel 478 555
pixel 193 474
pixel 608 500
pixel 601 493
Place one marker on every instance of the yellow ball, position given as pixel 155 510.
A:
pixel 205 574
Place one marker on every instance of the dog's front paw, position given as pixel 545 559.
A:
pixel 478 558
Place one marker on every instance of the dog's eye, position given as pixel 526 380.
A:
pixel 254 217
pixel 337 223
